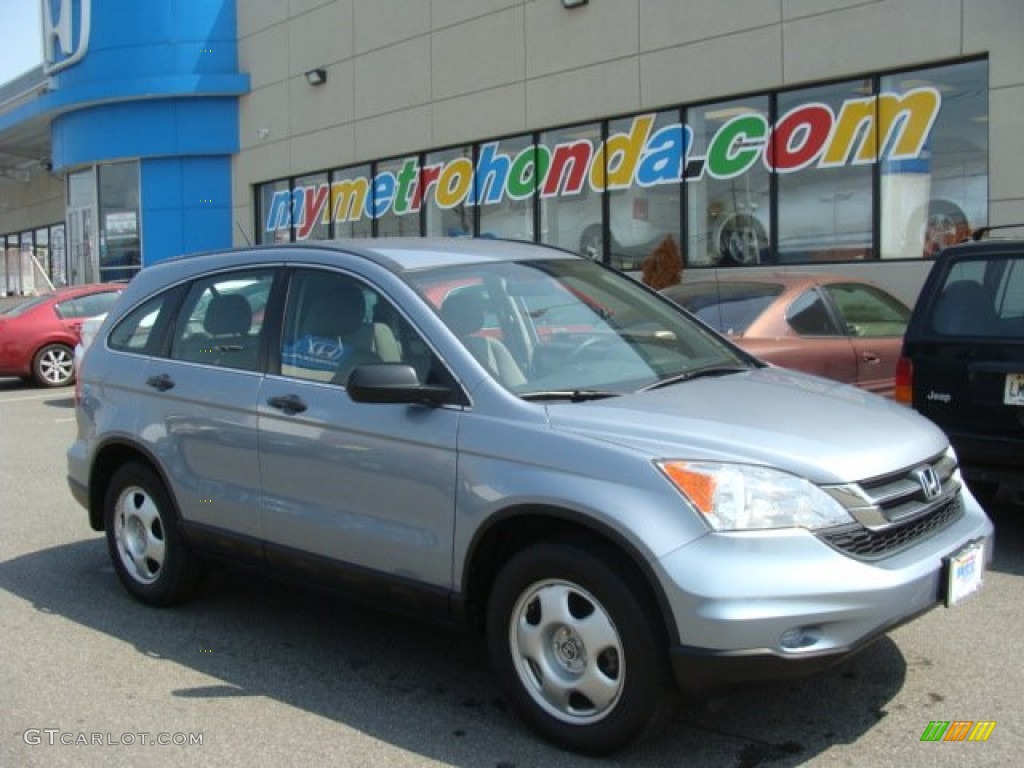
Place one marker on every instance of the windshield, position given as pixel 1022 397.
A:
pixel 570 327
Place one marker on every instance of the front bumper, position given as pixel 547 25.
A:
pixel 772 605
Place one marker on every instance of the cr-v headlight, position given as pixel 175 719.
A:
pixel 742 497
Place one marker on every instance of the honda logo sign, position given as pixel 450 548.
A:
pixel 65 35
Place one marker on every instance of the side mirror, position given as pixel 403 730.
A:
pixel 392 383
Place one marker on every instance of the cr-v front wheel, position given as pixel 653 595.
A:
pixel 577 647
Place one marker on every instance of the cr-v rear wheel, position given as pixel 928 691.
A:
pixel 149 554
pixel 577 648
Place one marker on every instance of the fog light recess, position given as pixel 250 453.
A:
pixel 797 638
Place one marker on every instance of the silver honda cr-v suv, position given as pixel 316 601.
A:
pixel 523 441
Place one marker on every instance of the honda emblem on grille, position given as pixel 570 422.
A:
pixel 929 482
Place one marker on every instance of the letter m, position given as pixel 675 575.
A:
pixel 982 730
pixel 280 214
pixel 935 730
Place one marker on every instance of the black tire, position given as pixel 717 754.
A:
pixel 146 546
pixel 54 366
pixel 945 226
pixel 576 647
pixel 742 241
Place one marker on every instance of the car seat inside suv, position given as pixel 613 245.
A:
pixel 965 308
pixel 464 313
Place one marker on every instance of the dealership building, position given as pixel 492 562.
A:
pixel 845 135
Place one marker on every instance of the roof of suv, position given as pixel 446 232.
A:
pixel 402 253
pixel 397 255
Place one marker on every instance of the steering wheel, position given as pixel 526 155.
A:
pixel 589 346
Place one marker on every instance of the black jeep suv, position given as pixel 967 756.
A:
pixel 963 357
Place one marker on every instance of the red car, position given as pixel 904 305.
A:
pixel 38 336
pixel 842 328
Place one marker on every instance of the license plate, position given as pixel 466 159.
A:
pixel 1013 393
pixel 964 570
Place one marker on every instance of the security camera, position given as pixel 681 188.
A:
pixel 46 164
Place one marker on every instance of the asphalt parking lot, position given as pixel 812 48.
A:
pixel 257 673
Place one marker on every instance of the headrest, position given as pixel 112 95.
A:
pixel 463 312
pixel 228 315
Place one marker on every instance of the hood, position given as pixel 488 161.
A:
pixel 819 429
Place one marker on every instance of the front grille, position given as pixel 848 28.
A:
pixel 896 511
pixel 857 541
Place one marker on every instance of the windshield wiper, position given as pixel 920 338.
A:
pixel 697 373
pixel 572 395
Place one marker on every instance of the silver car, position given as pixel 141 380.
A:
pixel 521 440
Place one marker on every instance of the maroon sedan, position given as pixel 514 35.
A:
pixel 38 336
pixel 838 327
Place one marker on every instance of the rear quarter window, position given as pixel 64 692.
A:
pixel 87 306
pixel 138 330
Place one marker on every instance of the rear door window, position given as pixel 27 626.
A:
pixel 809 316
pixel 221 320
pixel 867 312
pixel 87 306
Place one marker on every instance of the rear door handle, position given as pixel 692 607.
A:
pixel 161 382
pixel 290 404
pixel 871 358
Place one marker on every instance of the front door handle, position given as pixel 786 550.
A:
pixel 161 382
pixel 290 404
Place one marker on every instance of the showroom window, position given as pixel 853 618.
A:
pixel 396 211
pixel 825 194
pixel 644 193
pixel 445 188
pixel 120 237
pixel 58 255
pixel 349 192
pixel 506 188
pixel 32 260
pixel 82 226
pixel 728 190
pixel 275 212
pixel 568 166
pixel 887 166
pixel 938 198
pixel 311 206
